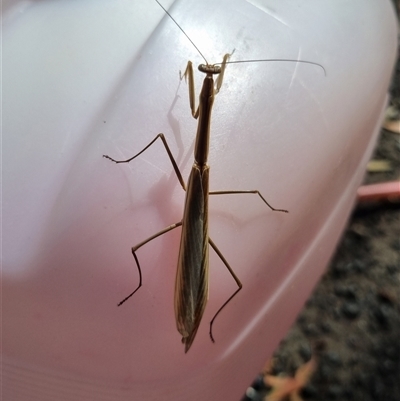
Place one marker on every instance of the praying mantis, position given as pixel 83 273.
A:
pixel 192 277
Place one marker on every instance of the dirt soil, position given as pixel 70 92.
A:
pixel 351 323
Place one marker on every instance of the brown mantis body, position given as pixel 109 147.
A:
pixel 191 284
pixel 192 277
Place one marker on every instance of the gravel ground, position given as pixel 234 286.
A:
pixel 351 324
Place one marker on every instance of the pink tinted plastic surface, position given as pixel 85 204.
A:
pixel 83 79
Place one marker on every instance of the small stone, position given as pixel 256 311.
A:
pixel 333 358
pixel 392 269
pixel 250 394
pixel 345 291
pixel 382 315
pixel 351 310
pixel 310 329
pixel 305 351
pixel 325 327
pixel 335 392
pixel 359 266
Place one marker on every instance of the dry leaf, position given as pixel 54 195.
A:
pixel 286 386
pixel 379 166
pixel 392 126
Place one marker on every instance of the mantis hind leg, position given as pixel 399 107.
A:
pixel 165 230
pixel 136 247
pixel 225 262
pixel 218 252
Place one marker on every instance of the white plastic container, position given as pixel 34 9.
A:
pixel 83 79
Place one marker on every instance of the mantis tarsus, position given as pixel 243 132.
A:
pixel 191 284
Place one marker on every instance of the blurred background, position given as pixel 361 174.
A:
pixel 350 326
